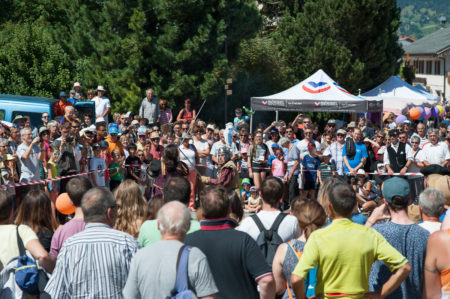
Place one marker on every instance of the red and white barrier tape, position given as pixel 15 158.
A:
pixel 50 179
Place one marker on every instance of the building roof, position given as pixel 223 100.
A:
pixel 434 43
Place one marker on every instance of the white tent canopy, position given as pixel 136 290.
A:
pixel 318 93
pixel 398 94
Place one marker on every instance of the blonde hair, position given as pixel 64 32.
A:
pixel 324 190
pixel 116 117
pixel 131 207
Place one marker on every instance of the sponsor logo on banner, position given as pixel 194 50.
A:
pixel 316 87
pixel 264 102
pixel 340 88
pixel 317 104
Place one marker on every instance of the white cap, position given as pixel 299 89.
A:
pixel 210 126
pixel 101 88
pixel 99 120
pixel 76 84
pixel 135 122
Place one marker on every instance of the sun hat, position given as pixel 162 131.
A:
pixel 142 130
pixel 245 181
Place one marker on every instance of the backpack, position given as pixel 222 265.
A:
pixel 181 289
pixel 26 272
pixel 350 148
pixel 269 240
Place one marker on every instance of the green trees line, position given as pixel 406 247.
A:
pixel 187 48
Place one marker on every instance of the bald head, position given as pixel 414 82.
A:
pixel 95 204
pixel 174 219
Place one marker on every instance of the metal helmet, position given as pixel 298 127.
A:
pixel 225 151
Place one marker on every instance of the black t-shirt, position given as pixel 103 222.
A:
pixel 45 238
pixel 135 169
pixel 235 260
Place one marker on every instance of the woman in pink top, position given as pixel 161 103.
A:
pixel 278 165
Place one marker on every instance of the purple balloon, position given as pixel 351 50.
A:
pixel 400 119
pixel 427 112
pixel 434 112
pixel 422 113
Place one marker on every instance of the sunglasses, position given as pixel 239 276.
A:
pixel 340 135
pixel 155 139
pixel 412 142
pixel 308 133
pixel 45 116
pixel 113 134
pixel 76 127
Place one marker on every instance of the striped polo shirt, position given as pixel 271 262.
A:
pixel 93 264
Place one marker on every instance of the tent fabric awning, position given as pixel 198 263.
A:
pixel 318 93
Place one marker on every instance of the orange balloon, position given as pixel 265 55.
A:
pixel 414 113
pixel 64 205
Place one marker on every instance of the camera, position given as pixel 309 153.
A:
pixel 69 139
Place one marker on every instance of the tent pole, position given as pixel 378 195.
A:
pixel 276 115
pixel 251 123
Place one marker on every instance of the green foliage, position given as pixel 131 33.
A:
pixel 421 17
pixel 407 73
pixel 31 62
pixel 328 35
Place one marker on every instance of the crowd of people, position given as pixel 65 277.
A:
pixel 353 210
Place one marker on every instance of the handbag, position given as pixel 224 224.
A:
pixel 26 272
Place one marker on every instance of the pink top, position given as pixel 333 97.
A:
pixel 63 233
pixel 277 168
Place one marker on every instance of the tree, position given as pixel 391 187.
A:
pixel 180 48
pixel 354 41
pixel 31 62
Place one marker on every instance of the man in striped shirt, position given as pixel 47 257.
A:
pixel 95 262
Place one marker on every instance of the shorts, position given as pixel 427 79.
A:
pixel 309 186
pixel 258 167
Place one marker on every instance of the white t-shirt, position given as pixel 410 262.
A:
pixel 187 156
pixel 29 167
pixel 431 226
pixel 98 164
pixel 287 230
pixel 100 106
pixel 202 145
pixel 303 147
pixel 8 245
pixel 435 154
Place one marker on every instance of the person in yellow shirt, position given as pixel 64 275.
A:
pixel 344 252
pixel 113 141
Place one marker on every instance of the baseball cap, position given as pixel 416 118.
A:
pixel 43 129
pixel 113 130
pixel 72 91
pixel 135 122
pixel 396 187
pixel 341 131
pixel 142 130
pixel 393 132
pixel 311 145
pixel 273 130
pixel 96 146
pixel 211 127
pixel 253 189
pixel 275 145
pixel 332 122
pixel 62 94
pixel 103 143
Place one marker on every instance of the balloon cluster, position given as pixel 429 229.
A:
pixel 424 113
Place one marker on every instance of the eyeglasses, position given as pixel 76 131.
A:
pixel 308 133
pixel 415 142
pixel 76 127
pixel 306 122
pixel 155 139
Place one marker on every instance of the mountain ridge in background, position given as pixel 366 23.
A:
pixel 421 17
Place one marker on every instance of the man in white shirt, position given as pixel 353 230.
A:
pixel 102 104
pixel 149 108
pixel 29 153
pixel 435 152
pixel 398 155
pixel 303 144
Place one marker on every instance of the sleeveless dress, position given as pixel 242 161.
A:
pixel 289 263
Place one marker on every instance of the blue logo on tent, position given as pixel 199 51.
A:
pixel 315 87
